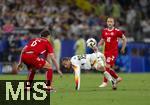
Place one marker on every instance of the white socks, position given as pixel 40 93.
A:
pixel 108 76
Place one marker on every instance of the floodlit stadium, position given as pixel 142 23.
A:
pixel 100 48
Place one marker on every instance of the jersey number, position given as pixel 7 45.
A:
pixel 108 39
pixel 34 43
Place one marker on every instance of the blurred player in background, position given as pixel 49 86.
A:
pixel 57 49
pixel 87 61
pixel 30 56
pixel 80 45
pixel 110 36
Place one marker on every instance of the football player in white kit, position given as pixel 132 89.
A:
pixel 87 61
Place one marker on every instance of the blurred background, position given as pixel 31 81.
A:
pixel 73 22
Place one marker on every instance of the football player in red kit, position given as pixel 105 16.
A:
pixel 110 36
pixel 30 56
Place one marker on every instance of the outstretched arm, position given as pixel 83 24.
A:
pixel 124 42
pixel 101 45
pixel 95 49
pixel 20 65
pixel 53 58
pixel 101 42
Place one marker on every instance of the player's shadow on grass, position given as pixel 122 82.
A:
pixel 83 90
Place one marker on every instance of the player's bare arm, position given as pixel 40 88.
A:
pixel 53 58
pixel 20 65
pixel 101 42
pixel 124 42
pixel 73 67
pixel 95 49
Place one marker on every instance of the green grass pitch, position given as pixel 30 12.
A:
pixel 133 90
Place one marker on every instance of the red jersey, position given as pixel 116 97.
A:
pixel 111 40
pixel 39 46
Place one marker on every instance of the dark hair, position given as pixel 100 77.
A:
pixel 65 59
pixel 45 33
pixel 111 18
pixel 62 60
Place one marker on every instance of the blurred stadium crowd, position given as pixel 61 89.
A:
pixel 21 20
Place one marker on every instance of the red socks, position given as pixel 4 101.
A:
pixel 49 76
pixel 105 79
pixel 112 73
pixel 31 74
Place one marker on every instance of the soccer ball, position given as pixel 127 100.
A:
pixel 91 42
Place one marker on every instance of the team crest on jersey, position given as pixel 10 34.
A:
pixel 106 33
pixel 111 33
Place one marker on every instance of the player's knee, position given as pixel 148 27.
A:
pixel 47 66
pixel 108 65
pixel 100 68
pixel 103 68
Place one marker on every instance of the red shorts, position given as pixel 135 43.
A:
pixel 111 59
pixel 33 61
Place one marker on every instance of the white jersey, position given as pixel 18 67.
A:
pixel 87 61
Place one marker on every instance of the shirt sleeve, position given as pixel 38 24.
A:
pixel 119 33
pixel 102 35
